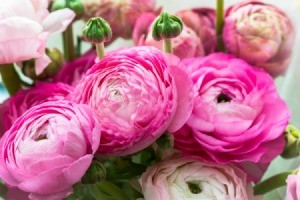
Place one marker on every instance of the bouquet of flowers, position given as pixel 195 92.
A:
pixel 191 111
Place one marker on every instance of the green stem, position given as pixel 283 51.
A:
pixel 220 23
pixel 271 183
pixel 69 50
pixel 100 50
pixel 168 46
pixel 10 78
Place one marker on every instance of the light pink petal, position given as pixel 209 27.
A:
pixel 40 4
pixel 58 21
pixel 41 63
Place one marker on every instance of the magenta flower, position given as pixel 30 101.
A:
pixel 193 40
pixel 261 34
pixel 15 106
pixel 238 115
pixel 138 96
pixel 178 178
pixel 121 15
pixel 293 189
pixel 49 148
pixel 73 71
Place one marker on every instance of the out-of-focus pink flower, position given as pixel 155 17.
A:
pixel 238 115
pixel 120 14
pixel 293 187
pixel 179 178
pixel 23 100
pixel 24 29
pixel 261 34
pixel 193 40
pixel 49 148
pixel 138 96
pixel 73 71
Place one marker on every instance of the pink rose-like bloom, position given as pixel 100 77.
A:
pixel 261 34
pixel 178 178
pixel 238 115
pixel 293 187
pixel 73 71
pixel 138 96
pixel 49 148
pixel 24 29
pixel 23 100
pixel 120 14
pixel 193 40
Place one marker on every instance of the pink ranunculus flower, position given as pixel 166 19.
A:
pixel 238 116
pixel 73 71
pixel 49 148
pixel 193 40
pixel 178 178
pixel 138 96
pixel 24 29
pixel 261 34
pixel 121 15
pixel 293 187
pixel 23 100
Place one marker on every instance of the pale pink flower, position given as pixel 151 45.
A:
pixel 178 178
pixel 261 34
pixel 120 14
pixel 49 148
pixel 24 28
pixel 238 116
pixel 193 40
pixel 293 187
pixel 138 96
pixel 23 100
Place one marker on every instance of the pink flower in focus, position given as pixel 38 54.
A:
pixel 73 71
pixel 138 96
pixel 193 40
pixel 178 178
pixel 23 100
pixel 120 14
pixel 293 189
pixel 49 148
pixel 24 29
pixel 238 115
pixel 261 34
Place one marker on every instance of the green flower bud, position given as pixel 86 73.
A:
pixel 165 141
pixel 292 144
pixel 97 30
pixel 95 173
pixel 75 5
pixel 28 67
pixel 166 26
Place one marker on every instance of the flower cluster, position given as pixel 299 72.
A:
pixel 170 118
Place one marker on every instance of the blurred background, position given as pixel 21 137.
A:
pixel 288 85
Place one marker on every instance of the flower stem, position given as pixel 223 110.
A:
pixel 220 23
pixel 10 78
pixel 69 50
pixel 168 46
pixel 271 183
pixel 100 50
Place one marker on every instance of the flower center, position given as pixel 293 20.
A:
pixel 223 98
pixel 194 187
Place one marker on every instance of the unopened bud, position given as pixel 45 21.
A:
pixel 75 5
pixel 292 142
pixel 166 26
pixel 97 30
pixel 95 173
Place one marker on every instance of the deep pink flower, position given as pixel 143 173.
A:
pixel 73 71
pixel 49 148
pixel 23 100
pixel 193 40
pixel 121 15
pixel 138 96
pixel 24 28
pixel 261 34
pixel 293 187
pixel 238 115
pixel 177 178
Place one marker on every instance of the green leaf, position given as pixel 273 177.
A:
pixel 3 190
